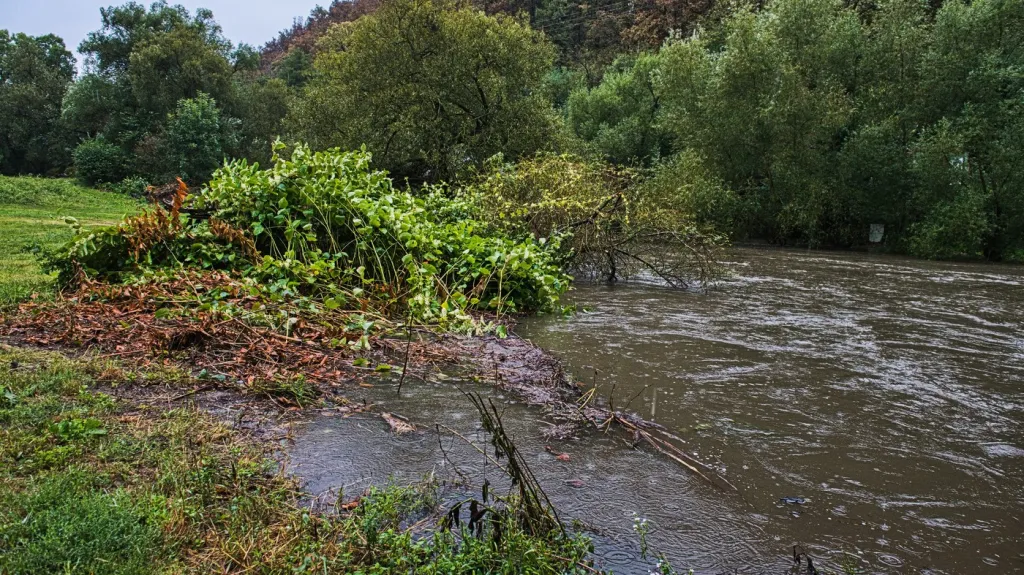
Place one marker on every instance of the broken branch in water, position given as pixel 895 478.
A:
pixel 676 454
pixel 490 459
pixel 397 423
pixel 517 366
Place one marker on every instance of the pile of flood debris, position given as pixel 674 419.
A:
pixel 141 324
pixel 535 376
pixel 233 347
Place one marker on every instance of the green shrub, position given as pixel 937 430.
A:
pixel 686 182
pixel 133 186
pixel 951 195
pixel 195 139
pixel 97 161
pixel 606 224
pixel 956 230
pixel 332 226
pixel 825 118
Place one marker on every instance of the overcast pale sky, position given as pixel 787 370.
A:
pixel 250 21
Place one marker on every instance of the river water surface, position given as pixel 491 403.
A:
pixel 883 397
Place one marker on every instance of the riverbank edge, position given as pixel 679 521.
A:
pixel 112 404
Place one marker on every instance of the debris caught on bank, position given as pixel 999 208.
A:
pixel 518 366
pixel 558 456
pixel 398 424
pixel 239 348
pixel 142 325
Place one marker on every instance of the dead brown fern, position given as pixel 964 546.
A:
pixel 179 199
pixel 152 227
pixel 235 236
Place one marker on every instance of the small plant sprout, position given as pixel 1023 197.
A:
pixel 663 567
pixel 641 528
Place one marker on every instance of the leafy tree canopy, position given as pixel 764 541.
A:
pixel 825 121
pixel 125 27
pixel 157 71
pixel 621 115
pixel 176 65
pixel 430 87
pixel 34 75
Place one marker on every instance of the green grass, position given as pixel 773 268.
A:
pixel 32 212
pixel 93 485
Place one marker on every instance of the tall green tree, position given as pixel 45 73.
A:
pixel 430 87
pixel 35 73
pixel 196 138
pixel 621 116
pixel 176 65
pixel 768 109
pixel 125 28
pixel 261 104
pixel 972 95
pixel 92 105
pixel 294 67
pixel 141 64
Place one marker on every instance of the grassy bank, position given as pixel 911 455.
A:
pixel 91 484
pixel 32 214
pixel 102 485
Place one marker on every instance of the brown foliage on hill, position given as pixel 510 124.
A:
pixel 304 34
pixel 578 28
pixel 654 18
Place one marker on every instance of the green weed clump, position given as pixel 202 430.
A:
pixel 173 491
pixel 327 222
pixel 327 227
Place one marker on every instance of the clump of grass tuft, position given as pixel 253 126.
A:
pixel 34 191
pixel 68 524
pixel 293 390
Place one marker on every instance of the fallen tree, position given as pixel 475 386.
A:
pixel 606 223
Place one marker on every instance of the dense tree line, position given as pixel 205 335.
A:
pixel 795 121
pixel 588 34
pixel 821 120
pixel 164 94
pixel 34 76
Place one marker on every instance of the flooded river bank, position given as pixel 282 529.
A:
pixel 864 406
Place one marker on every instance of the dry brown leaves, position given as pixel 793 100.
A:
pixel 398 424
pixel 122 322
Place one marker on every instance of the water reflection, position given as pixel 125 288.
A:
pixel 603 483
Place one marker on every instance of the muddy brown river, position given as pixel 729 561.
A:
pixel 867 408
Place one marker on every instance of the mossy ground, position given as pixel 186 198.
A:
pixel 32 216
